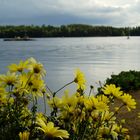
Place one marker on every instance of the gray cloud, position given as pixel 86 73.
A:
pixel 56 12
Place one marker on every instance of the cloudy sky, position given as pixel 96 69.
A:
pixel 57 12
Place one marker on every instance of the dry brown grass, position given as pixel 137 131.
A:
pixel 132 120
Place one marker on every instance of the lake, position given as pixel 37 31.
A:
pixel 97 57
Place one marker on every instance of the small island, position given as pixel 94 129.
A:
pixel 26 38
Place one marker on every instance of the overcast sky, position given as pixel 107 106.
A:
pixel 57 12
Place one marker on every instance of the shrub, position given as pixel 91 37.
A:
pixel 127 80
pixel 74 116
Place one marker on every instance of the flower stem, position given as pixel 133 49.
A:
pixel 49 89
pixel 28 80
pixel 91 88
pixel 44 103
pixel 62 88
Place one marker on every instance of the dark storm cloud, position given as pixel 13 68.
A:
pixel 56 12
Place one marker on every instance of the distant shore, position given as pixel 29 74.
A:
pixel 72 30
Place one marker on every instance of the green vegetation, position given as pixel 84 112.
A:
pixel 127 80
pixel 73 30
pixel 77 116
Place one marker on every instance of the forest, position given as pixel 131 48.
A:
pixel 72 30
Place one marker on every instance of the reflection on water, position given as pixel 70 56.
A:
pixel 97 57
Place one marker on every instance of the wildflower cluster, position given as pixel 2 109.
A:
pixel 73 116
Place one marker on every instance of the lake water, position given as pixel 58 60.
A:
pixel 97 57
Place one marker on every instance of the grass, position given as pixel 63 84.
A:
pixel 132 120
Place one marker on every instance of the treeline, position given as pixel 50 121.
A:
pixel 72 30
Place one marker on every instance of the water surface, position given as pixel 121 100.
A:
pixel 97 57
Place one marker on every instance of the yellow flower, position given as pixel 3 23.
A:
pixel 108 117
pixel 90 103
pixel 93 103
pixel 95 115
pixel 108 132
pixel 10 79
pixel 80 79
pixel 22 86
pixel 103 98
pixel 112 90
pixel 40 115
pixel 50 130
pixel 123 121
pixel 25 113
pixel 24 135
pixel 37 86
pixel 121 130
pixel 116 109
pixel 29 83
pixel 138 114
pixel 11 100
pixel 128 101
pixel 101 106
pixel 69 100
pixel 18 67
pixel 24 79
pixel 70 107
pixel 80 100
pixel 48 96
pixel 55 102
pixel 36 67
pixel 3 96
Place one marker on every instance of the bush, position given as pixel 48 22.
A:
pixel 127 80
pixel 74 116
